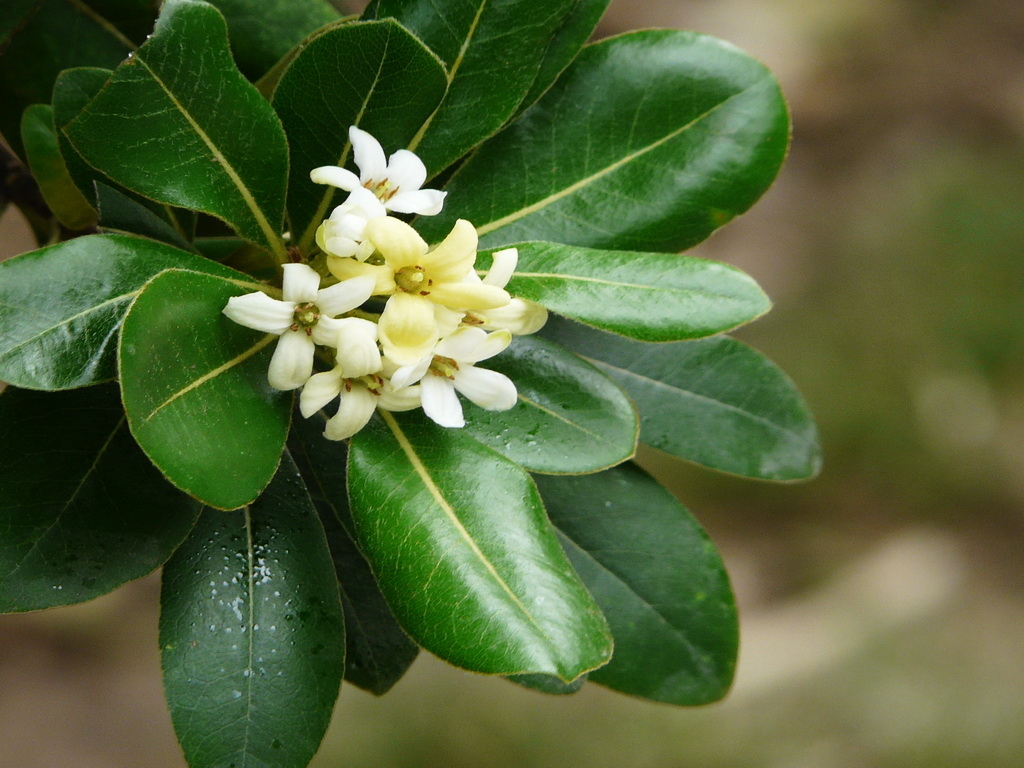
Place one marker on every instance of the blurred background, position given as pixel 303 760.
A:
pixel 882 605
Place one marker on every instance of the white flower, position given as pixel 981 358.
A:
pixel 519 316
pixel 359 397
pixel 305 317
pixel 341 234
pixel 396 182
pixel 450 369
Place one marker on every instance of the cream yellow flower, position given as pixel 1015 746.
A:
pixel 418 280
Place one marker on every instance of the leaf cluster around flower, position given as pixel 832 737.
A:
pixel 423 348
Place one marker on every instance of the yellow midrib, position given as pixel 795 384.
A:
pixel 555 197
pixel 452 71
pixel 238 360
pixel 325 202
pixel 272 237
pixel 440 500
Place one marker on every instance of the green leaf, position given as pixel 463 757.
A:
pixel 648 141
pixel 42 149
pixel 493 50
pixel 549 685
pixel 263 31
pixel 251 633
pixel 121 214
pixel 218 248
pixel 647 296
pixel 579 26
pixel 212 143
pixel 375 75
pixel 195 388
pixel 570 417
pixel 716 401
pixel 378 652
pixel 82 509
pixel 61 306
pixel 43 38
pixel 658 579
pixel 465 555
pixel 72 92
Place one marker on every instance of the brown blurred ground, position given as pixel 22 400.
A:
pixel 882 605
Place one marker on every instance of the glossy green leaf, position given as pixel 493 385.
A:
pixel 72 92
pixel 61 306
pixel 493 50
pixel 251 633
pixel 375 75
pixel 716 401
pixel 121 214
pixel 42 148
pixel 647 296
pixel 44 38
pixel 648 141
pixel 378 652
pixel 218 248
pixel 81 508
pixel 549 685
pixel 195 388
pixel 465 555
pixel 659 580
pixel 565 45
pixel 211 142
pixel 570 417
pixel 262 31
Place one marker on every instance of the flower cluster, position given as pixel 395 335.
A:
pixel 440 318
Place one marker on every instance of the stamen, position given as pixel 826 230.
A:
pixel 444 367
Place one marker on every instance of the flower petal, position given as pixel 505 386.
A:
pixel 320 389
pixel 404 399
pixel 490 390
pixel 407 328
pixel 469 295
pixel 369 156
pixel 325 332
pixel 340 247
pixel 448 320
pixel 260 312
pixel 356 408
pixel 471 345
pixel 406 171
pixel 348 269
pixel 300 283
pixel 440 402
pixel 410 374
pixel 462 344
pixel 357 352
pixel 397 242
pixel 361 202
pixel 503 264
pixel 292 363
pixel 520 316
pixel 425 202
pixel 454 256
pixel 335 177
pixel 345 295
